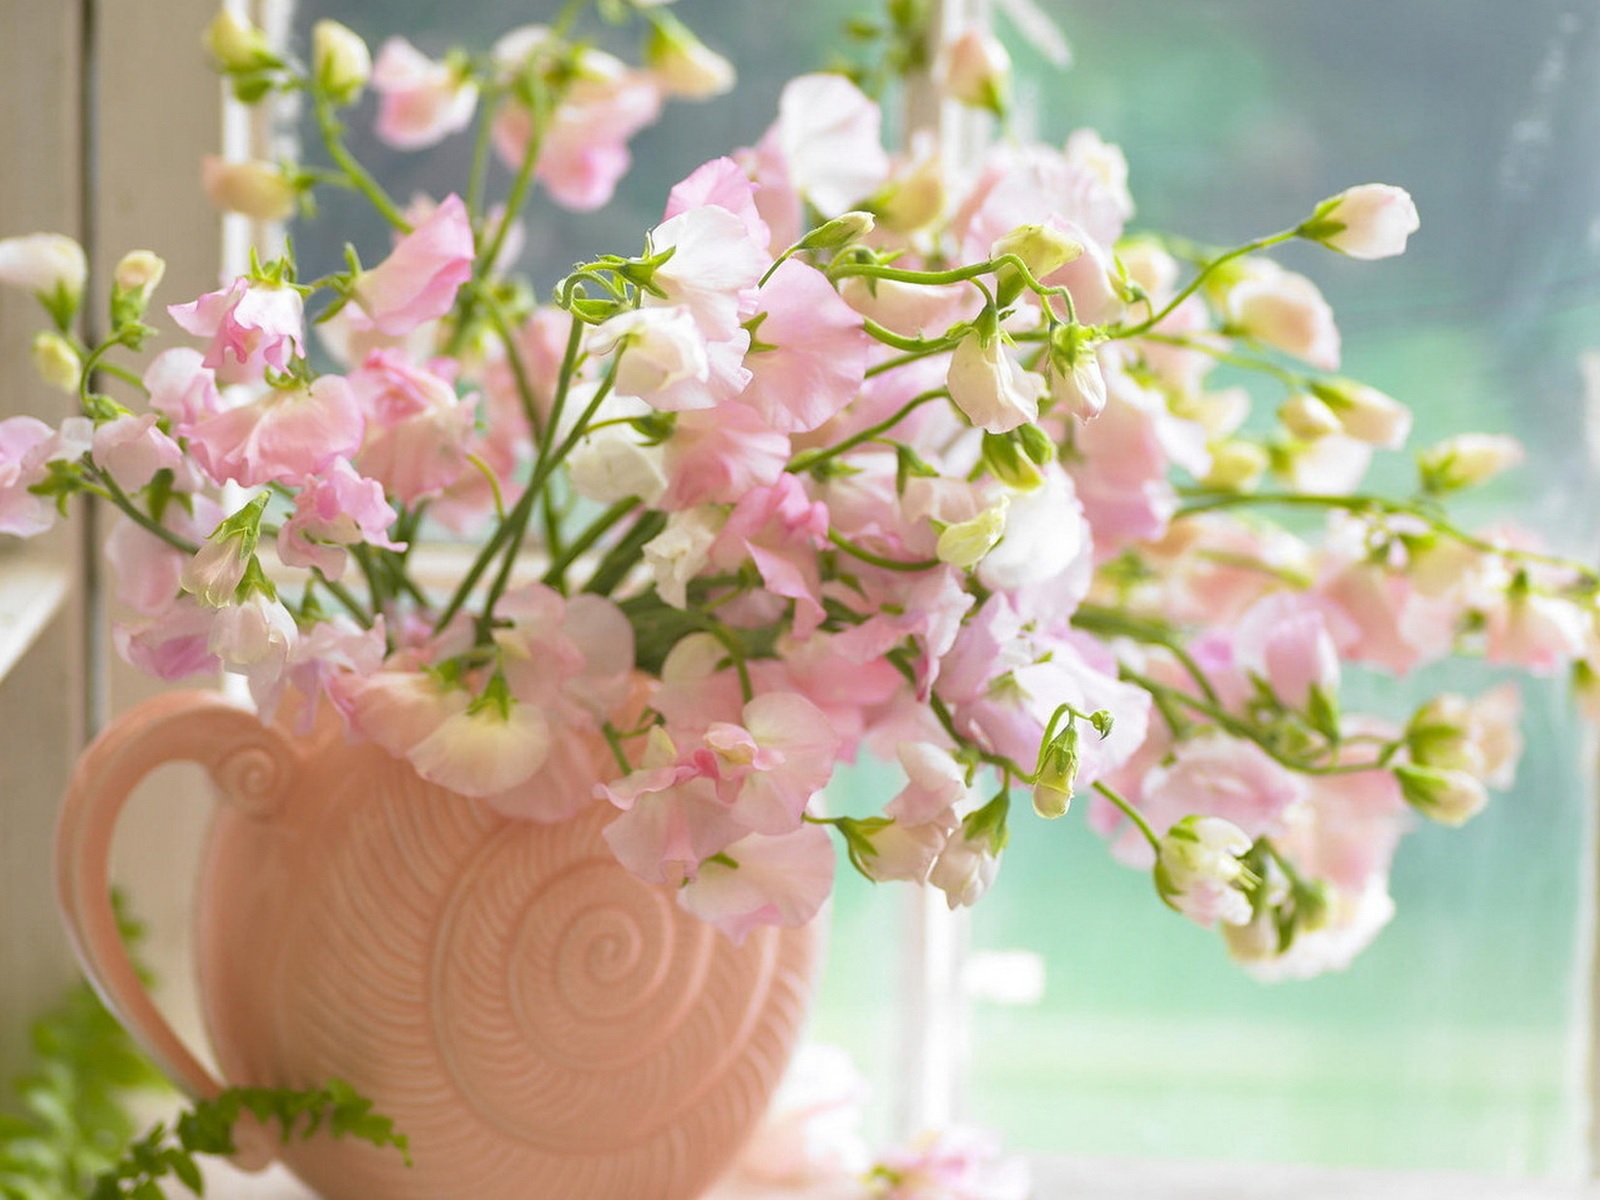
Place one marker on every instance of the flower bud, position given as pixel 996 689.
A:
pixel 1467 460
pixel 965 543
pixel 341 61
pixel 915 199
pixel 839 232
pixel 1200 873
pixel 1236 466
pixel 1307 417
pixel 139 271
pixel 1284 310
pixel 683 64
pixel 1058 774
pixel 237 45
pixel 1365 413
pixel 1373 220
pixel 56 361
pixel 218 568
pixel 1004 457
pixel 46 264
pixel 1446 796
pixel 254 189
pixel 977 72
pixel 1042 248
pixel 988 384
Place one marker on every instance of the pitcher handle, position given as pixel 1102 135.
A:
pixel 252 765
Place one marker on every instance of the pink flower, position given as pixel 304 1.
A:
pixel 1199 871
pixel 485 749
pixel 1348 829
pixel 1541 633
pixel 673 816
pixel 659 347
pixel 723 183
pixel 1284 310
pixel 783 880
pixel 585 149
pixel 286 435
pixel 810 354
pixel 252 326
pixel 335 509
pixel 182 387
pixel 147 569
pixel 132 450
pixel 333 647
pixel 923 812
pixel 173 644
pixel 829 137
pixel 398 708
pixel 24 443
pixel 954 1164
pixel 421 102
pixel 419 280
pixel 718 456
pixel 1214 775
pixel 255 638
pixel 1285 639
pixel 775 762
pixel 780 530
pixel 713 271
pixel 417 427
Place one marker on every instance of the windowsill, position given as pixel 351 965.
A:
pixel 1112 1179
pixel 32 591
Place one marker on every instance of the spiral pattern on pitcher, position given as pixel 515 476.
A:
pixel 522 1006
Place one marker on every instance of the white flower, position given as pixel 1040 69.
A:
pixel 489 748
pixel 341 60
pixel 43 263
pixel 677 554
pixel 257 190
pixel 1365 413
pixel 1373 220
pixel 611 465
pixel 657 347
pixel 1199 872
pixel 964 543
pixel 990 386
pixel 1468 459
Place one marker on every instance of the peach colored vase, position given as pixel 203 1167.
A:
pixel 536 1020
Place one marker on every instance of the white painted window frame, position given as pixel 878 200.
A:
pixel 118 117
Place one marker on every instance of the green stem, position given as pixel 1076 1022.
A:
pixel 556 576
pixel 1232 358
pixel 808 459
pixel 359 176
pixel 1199 280
pixel 345 597
pixel 878 560
pixel 518 365
pixel 1132 813
pixel 107 489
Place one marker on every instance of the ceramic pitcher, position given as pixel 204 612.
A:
pixel 536 1020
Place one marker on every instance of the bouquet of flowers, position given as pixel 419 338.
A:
pixel 853 452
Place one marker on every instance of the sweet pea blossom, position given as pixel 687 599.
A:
pixel 258 190
pixel 659 347
pixel 286 435
pixel 338 508
pixel 487 748
pixel 24 445
pixel 251 326
pixel 718 456
pixel 809 357
pixel 254 638
pixel 132 449
pixel 952 1164
pixel 1536 631
pixel 713 271
pixel 1373 220
pixel 420 102
pixel 419 280
pixel 989 385
pixel 1198 870
pixel 417 428
pixel 1284 310
pixel 922 814
pixel 44 263
pixel 783 880
pixel 683 64
pixel 828 137
pixel 976 70
pixel 603 103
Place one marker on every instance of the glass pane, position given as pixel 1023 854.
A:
pixel 1456 1041
pixel 769 42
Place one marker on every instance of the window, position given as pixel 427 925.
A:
pixel 1460 1039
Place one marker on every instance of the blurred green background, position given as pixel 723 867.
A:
pixel 1459 1039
